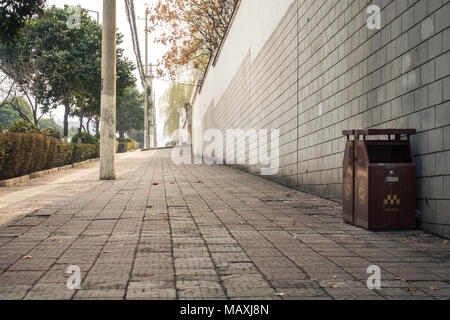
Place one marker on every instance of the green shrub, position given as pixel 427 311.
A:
pixel 23 126
pixel 25 153
pixel 50 132
pixel 125 145
pixel 86 138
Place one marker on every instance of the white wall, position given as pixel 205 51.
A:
pixel 253 25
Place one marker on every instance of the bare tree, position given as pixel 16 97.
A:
pixel 10 96
pixel 22 67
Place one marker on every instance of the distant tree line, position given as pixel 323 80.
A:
pixel 45 64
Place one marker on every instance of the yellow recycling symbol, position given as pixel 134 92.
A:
pixel 392 200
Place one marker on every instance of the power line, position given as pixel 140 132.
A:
pixel 129 5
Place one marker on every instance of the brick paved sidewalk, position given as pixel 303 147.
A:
pixel 202 232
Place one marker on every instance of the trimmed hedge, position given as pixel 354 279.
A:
pixel 23 126
pixel 25 153
pixel 127 145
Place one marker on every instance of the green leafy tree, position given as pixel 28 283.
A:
pixel 130 112
pixel 29 70
pixel 175 99
pixel 53 64
pixel 51 124
pixel 77 54
pixel 13 16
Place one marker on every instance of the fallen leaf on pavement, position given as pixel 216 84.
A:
pixel 279 294
pixel 294 222
pixel 149 207
pixel 412 289
pixel 155 183
pixel 334 286
pixel 445 242
pixel 433 288
pixel 27 257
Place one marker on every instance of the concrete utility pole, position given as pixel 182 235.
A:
pixel 146 128
pixel 108 99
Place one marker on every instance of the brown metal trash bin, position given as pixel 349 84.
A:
pixel 379 180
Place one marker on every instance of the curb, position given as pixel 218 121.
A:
pixel 34 175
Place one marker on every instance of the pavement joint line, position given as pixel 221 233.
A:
pixel 208 249
pixel 177 294
pixel 246 252
pixel 115 224
pixel 243 249
pixel 87 226
pixel 142 225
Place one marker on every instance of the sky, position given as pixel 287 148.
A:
pixel 156 51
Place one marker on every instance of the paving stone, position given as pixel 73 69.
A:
pixel 181 239
pixel 109 294
pixel 145 291
pixel 49 292
pixel 13 292
pixel 199 289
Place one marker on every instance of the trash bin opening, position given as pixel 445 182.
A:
pixel 389 154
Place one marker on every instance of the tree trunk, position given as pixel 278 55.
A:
pixel 66 119
pixel 87 126
pixel 35 120
pixel 97 125
pixel 81 127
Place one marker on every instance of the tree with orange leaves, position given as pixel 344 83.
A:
pixel 193 30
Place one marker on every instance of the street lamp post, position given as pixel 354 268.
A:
pixel 98 14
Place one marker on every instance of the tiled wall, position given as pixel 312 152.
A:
pixel 323 71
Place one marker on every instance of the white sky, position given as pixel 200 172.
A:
pixel 156 51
